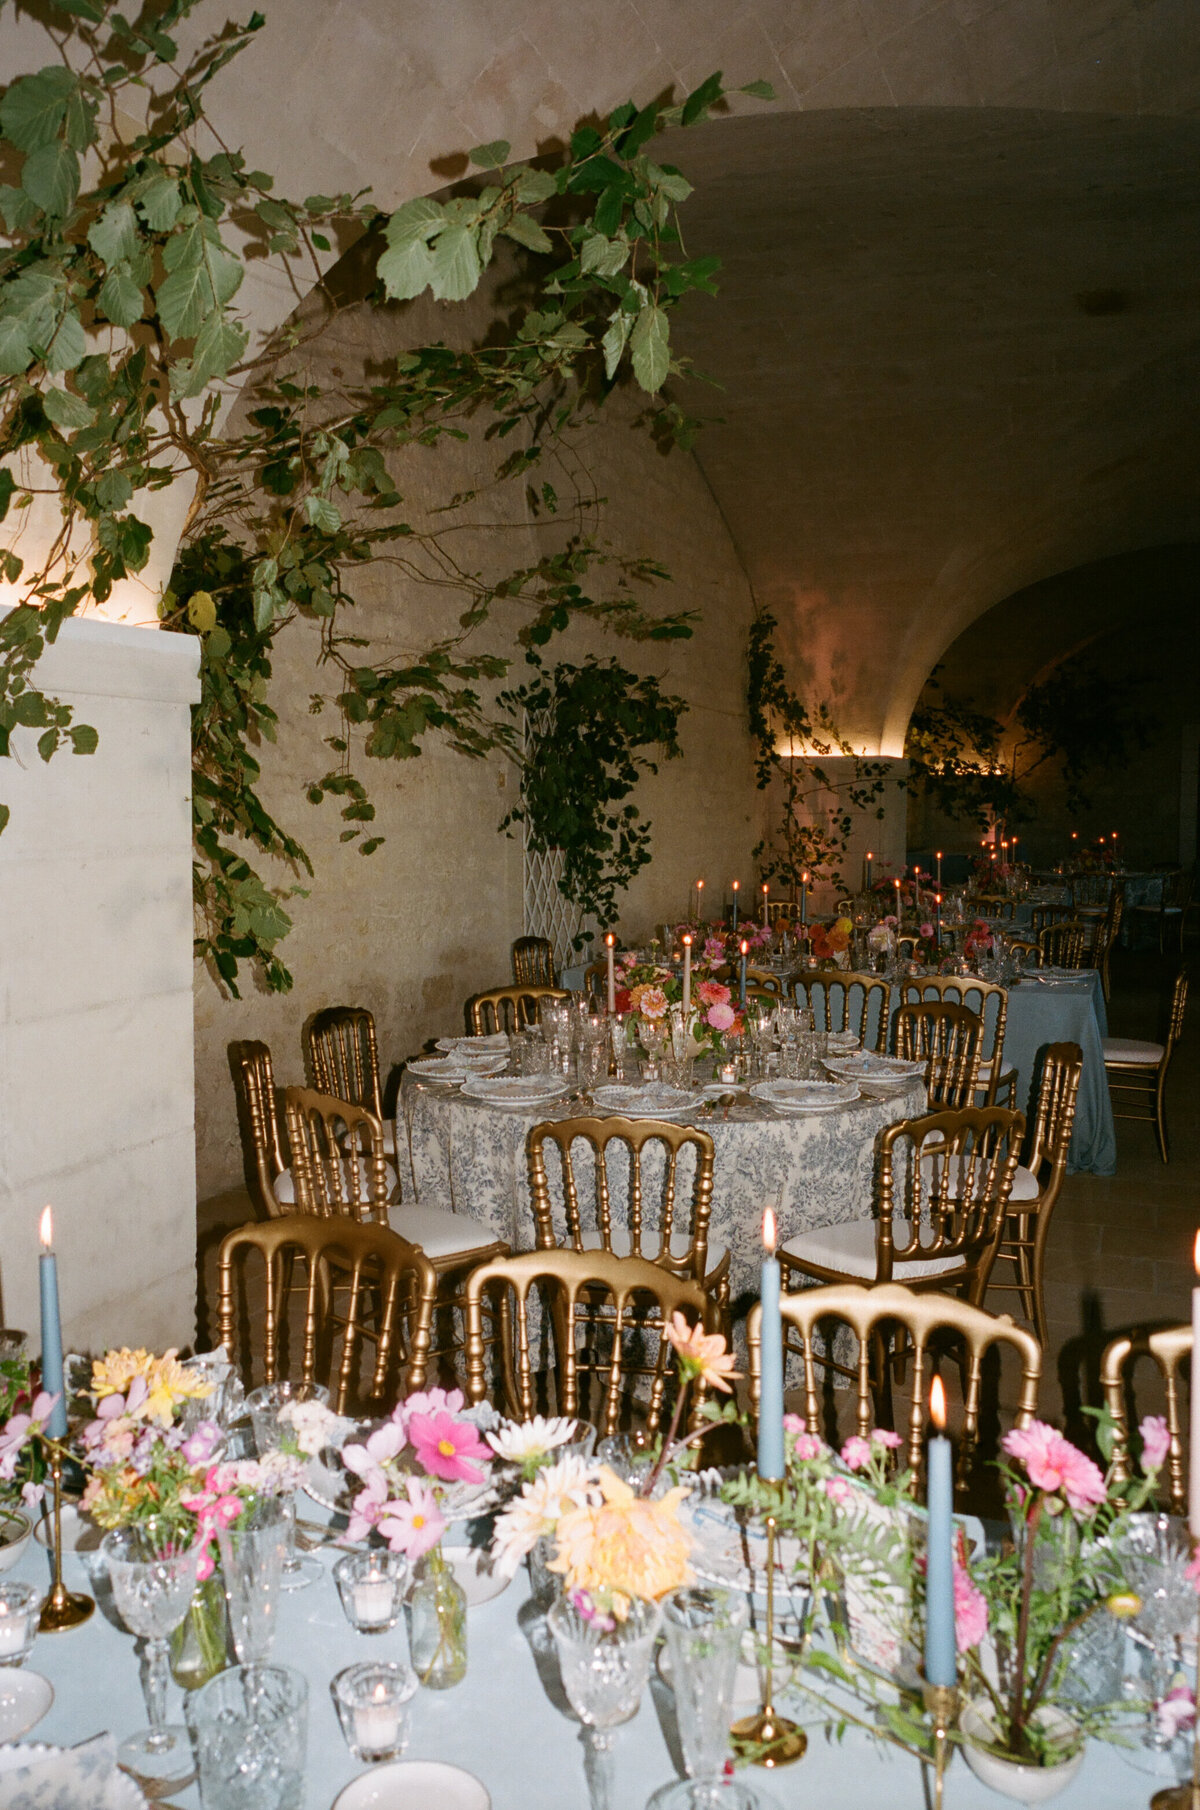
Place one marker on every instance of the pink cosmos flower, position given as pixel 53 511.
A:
pixel 18 1429
pixel 856 1453
pixel 368 1507
pixel 721 1018
pixel 1156 1441
pixel 429 1401
pixel 1176 1712
pixel 413 1526
pixel 795 1423
pixel 384 1443
pixel 712 993
pixel 882 1436
pixel 1053 1464
pixel 970 1610
pixel 446 1446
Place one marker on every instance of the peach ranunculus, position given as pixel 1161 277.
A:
pixel 625 1547
pixel 701 1354
pixel 712 993
pixel 651 1002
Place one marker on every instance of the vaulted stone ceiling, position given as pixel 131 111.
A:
pixel 959 351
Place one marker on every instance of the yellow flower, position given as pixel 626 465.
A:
pixel 702 1354
pixel 623 1548
pixel 167 1382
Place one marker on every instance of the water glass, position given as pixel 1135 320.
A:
pixel 253 1550
pixel 604 1668
pixel 371 1585
pixel 704 1629
pixel 374 1707
pixel 153 1574
pixel 225 1396
pixel 250 1733
pixel 265 1404
pixel 629 1456
pixel 20 1608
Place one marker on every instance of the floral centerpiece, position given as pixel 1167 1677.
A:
pixel 979 943
pixel 24 1411
pixel 650 991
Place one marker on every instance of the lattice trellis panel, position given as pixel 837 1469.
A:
pixel 547 913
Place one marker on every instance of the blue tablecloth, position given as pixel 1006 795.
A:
pixel 507 1721
pixel 1066 1013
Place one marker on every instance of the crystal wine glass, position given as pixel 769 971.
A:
pixel 704 1631
pixel 265 1404
pixel 153 1572
pixel 604 1664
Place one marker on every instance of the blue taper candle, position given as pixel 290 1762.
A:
pixel 770 1399
pixel 941 1650
pixel 52 1353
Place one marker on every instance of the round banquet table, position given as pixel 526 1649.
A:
pixel 507 1723
pixel 817 1170
pixel 1067 1011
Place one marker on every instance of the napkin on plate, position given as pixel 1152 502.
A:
pixel 58 1778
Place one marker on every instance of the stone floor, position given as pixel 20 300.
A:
pixel 1121 1250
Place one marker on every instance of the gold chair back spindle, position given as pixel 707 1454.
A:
pixel 762 982
pixel 947 1039
pixel 343 1056
pixel 1169 1347
pixel 1064 944
pixel 533 962
pixel 867 1312
pixel 507 1008
pixel 575 1284
pixel 987 998
pixel 848 1001
pixel 254 1084
pixel 384 1278
pixel 1027 1226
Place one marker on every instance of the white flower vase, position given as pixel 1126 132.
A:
pixel 1017 1779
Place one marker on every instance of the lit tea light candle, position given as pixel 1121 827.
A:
pixel 374 1602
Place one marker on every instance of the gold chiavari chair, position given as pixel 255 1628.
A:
pixel 387 1286
pixel 778 909
pixel 1170 1347
pixel 1041 917
pixel 870 1313
pixel 340 1170
pixel 1137 1072
pixel 343 1059
pixel 1028 953
pixel 507 1008
pixel 994 905
pixel 636 1299
pixel 767 995
pixel 1107 932
pixel 764 980
pixel 1090 892
pixel 595 983
pixel 941 1193
pixel 990 1000
pixel 1064 945
pixel 946 1038
pixel 533 962
pixel 268 1178
pixel 1037 1182
pixel 658 1234
pixel 846 1001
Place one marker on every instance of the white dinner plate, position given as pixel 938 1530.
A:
pixel 472 1568
pixel 438 1068
pixel 515 1090
pixel 414 1785
pixel 653 1100
pixel 866 1066
pixel 495 1044
pixel 120 1792
pixel 806 1096
pixel 24 1699
pixel 79 1532
pixel 712 1090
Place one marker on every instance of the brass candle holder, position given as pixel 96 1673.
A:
pixel 941 1700
pixel 63 1608
pixel 766 1738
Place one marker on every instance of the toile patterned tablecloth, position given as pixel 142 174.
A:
pixel 817 1170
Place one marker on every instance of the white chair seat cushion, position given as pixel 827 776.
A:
pixel 985 1070
pixel 1024 1185
pixel 285 1187
pixel 440 1233
pixel 1128 1049
pixel 622 1244
pixel 850 1249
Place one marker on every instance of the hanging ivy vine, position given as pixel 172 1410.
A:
pixel 121 347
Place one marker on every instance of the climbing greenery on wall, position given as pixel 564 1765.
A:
pixel 130 229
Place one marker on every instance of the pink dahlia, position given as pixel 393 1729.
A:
pixel 721 1017
pixel 712 993
pixel 1053 1464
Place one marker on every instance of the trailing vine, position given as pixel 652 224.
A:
pixel 810 833
pixel 121 347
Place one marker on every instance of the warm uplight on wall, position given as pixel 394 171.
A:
pixel 789 748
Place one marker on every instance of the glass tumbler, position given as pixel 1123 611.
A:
pixel 704 1629
pixel 249 1728
pixel 252 1556
pixel 20 1608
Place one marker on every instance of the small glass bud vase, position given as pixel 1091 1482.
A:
pixel 437 1631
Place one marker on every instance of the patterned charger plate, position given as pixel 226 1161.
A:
pixel 655 1100
pixel 869 1067
pixel 515 1090
pixel 495 1044
pixel 438 1068
pixel 806 1096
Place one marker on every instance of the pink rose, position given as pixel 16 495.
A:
pixel 1053 1464
pixel 721 1017
pixel 1156 1441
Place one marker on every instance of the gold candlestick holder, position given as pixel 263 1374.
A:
pixel 766 1738
pixel 1187 1795
pixel 63 1608
pixel 941 1700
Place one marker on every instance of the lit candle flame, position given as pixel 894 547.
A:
pixel 687 939
pixel 611 940
pixel 46 1228
pixel 938 856
pixel 769 1230
pixel 937 1404
pixel 745 947
pixel 736 885
pixel 1195 1251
